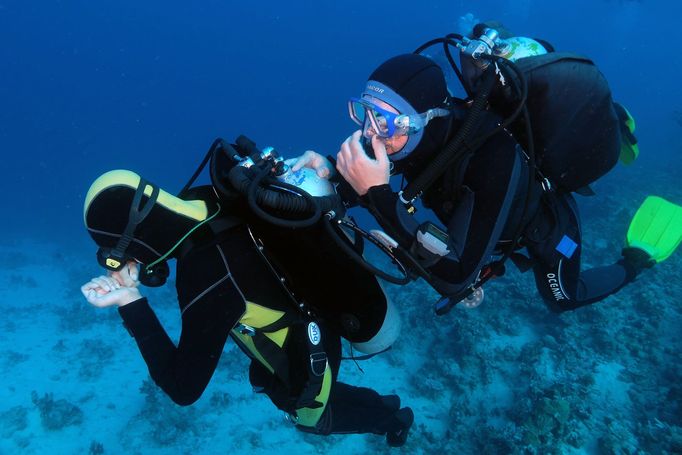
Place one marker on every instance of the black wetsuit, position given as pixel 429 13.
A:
pixel 557 274
pixel 484 216
pixel 213 282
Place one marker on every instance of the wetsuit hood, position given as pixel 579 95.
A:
pixel 419 82
pixel 107 210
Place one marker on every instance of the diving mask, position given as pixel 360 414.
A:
pixel 386 123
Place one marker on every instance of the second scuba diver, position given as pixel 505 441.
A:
pixel 473 162
pixel 228 287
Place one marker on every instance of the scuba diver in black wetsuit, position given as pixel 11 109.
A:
pixel 226 286
pixel 497 169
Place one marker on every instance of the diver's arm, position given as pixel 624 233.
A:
pixel 183 372
pixel 210 305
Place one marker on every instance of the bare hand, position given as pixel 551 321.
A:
pixel 315 161
pixel 128 275
pixel 359 170
pixel 104 291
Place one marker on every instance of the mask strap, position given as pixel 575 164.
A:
pixel 135 216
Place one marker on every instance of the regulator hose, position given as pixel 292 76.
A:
pixel 281 196
pixel 257 196
pixel 330 221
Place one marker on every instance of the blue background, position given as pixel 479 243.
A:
pixel 90 86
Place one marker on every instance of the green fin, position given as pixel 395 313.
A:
pixel 629 150
pixel 656 228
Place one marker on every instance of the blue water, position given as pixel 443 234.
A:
pixel 86 87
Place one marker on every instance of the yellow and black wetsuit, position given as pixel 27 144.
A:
pixel 224 286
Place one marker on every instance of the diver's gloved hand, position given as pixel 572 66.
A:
pixel 315 161
pixel 635 260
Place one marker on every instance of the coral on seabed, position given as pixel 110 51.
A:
pixel 96 448
pixel 56 414
pixel 508 377
pixel 220 400
pixel 13 420
pixel 168 423
pixel 547 422
pixel 94 356
pixel 618 439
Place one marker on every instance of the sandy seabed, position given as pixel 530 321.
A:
pixel 507 377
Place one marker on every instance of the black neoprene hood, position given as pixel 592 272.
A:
pixel 419 81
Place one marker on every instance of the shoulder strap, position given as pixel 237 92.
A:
pixel 455 148
pixel 317 364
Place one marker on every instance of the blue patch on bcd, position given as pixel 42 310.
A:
pixel 566 246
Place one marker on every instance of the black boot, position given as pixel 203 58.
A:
pixel 401 422
pixel 635 260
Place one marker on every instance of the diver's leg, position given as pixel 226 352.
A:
pixel 561 283
pixel 352 409
pixel 564 288
pixel 362 410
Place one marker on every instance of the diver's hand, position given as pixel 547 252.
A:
pixel 359 170
pixel 128 275
pixel 104 291
pixel 315 161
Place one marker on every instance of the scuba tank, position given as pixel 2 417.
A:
pixel 268 183
pixel 273 191
pixel 307 180
pixel 289 199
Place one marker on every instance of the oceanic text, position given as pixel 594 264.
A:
pixel 555 287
